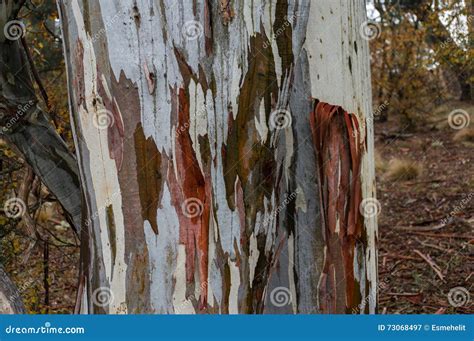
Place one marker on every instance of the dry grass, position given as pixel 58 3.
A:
pixel 464 135
pixel 400 169
pixel 380 164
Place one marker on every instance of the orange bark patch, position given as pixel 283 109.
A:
pixel 338 145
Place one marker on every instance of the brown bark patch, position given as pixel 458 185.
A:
pixel 78 78
pixel 110 221
pixel 227 13
pixel 150 180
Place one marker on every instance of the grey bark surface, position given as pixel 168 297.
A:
pixel 10 299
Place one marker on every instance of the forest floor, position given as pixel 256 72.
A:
pixel 425 224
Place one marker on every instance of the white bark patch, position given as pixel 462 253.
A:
pixel 228 222
pixel 235 84
pixel 270 221
pixel 248 17
pixel 5 306
pixel 359 275
pixel 253 257
pixel 261 123
pixel 180 303
pixel 84 304
pixel 197 118
pixel 234 288
pixel 211 269
pixel 163 249
pixel 104 179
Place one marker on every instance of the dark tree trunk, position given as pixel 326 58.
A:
pixel 24 124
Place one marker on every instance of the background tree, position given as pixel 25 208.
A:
pixel 31 213
pixel 422 57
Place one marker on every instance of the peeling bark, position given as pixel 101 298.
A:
pixel 339 149
pixel 206 186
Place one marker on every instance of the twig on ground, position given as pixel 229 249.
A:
pixel 431 263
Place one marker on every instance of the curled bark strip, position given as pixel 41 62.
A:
pixel 338 147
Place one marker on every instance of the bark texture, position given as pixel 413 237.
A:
pixel 10 300
pixel 211 186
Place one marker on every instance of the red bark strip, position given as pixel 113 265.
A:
pixel 191 192
pixel 338 147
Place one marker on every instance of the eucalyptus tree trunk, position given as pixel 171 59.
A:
pixel 226 154
pixel 10 300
